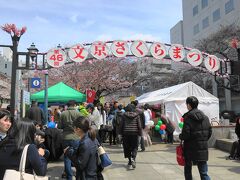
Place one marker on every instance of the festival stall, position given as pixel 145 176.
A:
pixel 173 99
pixel 59 93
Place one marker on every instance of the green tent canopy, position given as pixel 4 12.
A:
pixel 60 92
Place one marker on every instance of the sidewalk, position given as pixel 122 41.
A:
pixel 158 162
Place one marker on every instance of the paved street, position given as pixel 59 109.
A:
pixel 158 162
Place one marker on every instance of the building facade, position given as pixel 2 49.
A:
pixel 153 71
pixel 5 65
pixel 201 18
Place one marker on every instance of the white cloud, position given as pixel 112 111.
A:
pixel 74 18
pixel 87 24
pixel 104 37
pixel 41 19
pixel 144 37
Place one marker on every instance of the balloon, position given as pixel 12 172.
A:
pixel 159 123
pixel 182 119
pixel 51 124
pixel 181 124
pixel 157 127
pixel 163 127
pixel 161 132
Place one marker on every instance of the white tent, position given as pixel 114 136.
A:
pixel 173 99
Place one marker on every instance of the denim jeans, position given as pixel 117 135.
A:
pixel 67 161
pixel 202 168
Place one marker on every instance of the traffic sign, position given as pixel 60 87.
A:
pixel 35 82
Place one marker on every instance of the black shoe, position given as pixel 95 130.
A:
pixel 133 164
pixel 142 150
pixel 230 158
pixel 129 163
pixel 236 158
pixel 64 175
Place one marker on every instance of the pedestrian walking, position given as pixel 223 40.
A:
pixel 35 113
pixel 235 150
pixel 118 120
pixel 11 151
pixel 195 134
pixel 170 128
pixel 130 130
pixel 85 157
pixel 142 120
pixel 69 137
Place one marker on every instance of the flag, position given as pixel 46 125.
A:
pixel 90 95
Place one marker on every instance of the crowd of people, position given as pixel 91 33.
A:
pixel 78 131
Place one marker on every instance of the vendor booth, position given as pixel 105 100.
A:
pixel 173 100
pixel 60 93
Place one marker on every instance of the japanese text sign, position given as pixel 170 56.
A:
pixel 119 48
pixel 99 50
pixel 77 53
pixel 194 57
pixel 176 52
pixel 158 50
pixel 139 48
pixel 56 57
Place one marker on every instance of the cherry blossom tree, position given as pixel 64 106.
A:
pixel 225 43
pixel 105 76
pixel 14 32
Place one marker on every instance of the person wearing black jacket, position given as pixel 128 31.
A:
pixel 35 113
pixel 195 134
pixel 142 120
pixel 5 125
pixel 169 128
pixel 130 129
pixel 235 150
pixel 85 157
pixel 11 150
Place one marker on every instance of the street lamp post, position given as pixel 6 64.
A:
pixel 32 50
pixel 16 34
pixel 46 96
pixel 15 41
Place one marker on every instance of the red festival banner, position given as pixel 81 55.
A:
pixel 90 95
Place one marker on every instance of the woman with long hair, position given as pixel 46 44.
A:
pixel 85 157
pixel 11 152
pixel 103 116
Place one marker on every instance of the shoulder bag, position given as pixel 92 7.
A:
pixel 11 174
pixel 180 156
pixel 104 159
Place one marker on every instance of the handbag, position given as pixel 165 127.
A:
pixel 179 153
pixel 11 174
pixel 104 159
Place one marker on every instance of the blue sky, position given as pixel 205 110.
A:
pixel 50 22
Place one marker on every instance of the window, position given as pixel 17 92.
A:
pixel 5 66
pixel 204 3
pixel 196 29
pixel 205 23
pixel 195 10
pixel 229 6
pixel 216 15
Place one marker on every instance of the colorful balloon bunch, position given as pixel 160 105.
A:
pixel 181 123
pixel 160 127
